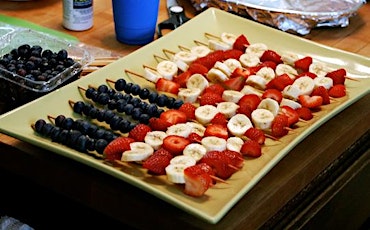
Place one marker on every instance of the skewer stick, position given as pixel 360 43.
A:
pixel 184 48
pixel 200 43
pixel 217 179
pixel 168 53
pixel 209 35
pixel 159 58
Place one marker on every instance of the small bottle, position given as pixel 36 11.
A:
pixel 78 14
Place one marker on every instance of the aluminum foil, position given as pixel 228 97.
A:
pixel 293 16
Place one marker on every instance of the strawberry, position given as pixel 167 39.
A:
pixel 308 74
pixel 256 135
pixel 338 76
pixel 275 94
pixel 279 126
pixel 249 100
pixel 251 148
pixel 270 64
pixel 337 91
pixel 240 72
pixel 195 138
pixel 198 179
pixel 139 132
pixel 235 158
pixel 279 82
pixel 311 102
pixel 322 92
pixel 164 85
pixel 182 78
pixel 210 99
pixel 232 54
pixel 216 130
pixel 220 119
pixel 220 163
pixel 175 144
pixel 236 83
pixel 210 60
pixel 241 43
pixel 158 124
pixel 214 88
pixel 158 161
pixel 197 68
pixel 304 113
pixel 270 55
pixel 291 114
pixel 113 151
pixel 189 110
pixel 173 116
pixel 303 64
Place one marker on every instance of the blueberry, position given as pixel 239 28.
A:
pixel 120 84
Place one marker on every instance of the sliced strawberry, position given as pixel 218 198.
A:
pixel 251 148
pixel 195 138
pixel 220 119
pixel 164 85
pixel 240 72
pixel 174 116
pixel 220 163
pixel 249 100
pixel 139 132
pixel 270 55
pixel 158 124
pixel 175 144
pixel 214 88
pixel 182 78
pixel 210 99
pixel 337 91
pixel 210 60
pixel 270 64
pixel 308 74
pixel 241 43
pixel 303 64
pixel 275 94
pixel 158 161
pixel 279 126
pixel 291 114
pixel 338 76
pixel 311 102
pixel 197 68
pixel 236 83
pixel 256 135
pixel 216 130
pixel 232 54
pixel 279 82
pixel 189 110
pixel 113 151
pixel 198 179
pixel 322 92
pixel 304 113
pixel 236 158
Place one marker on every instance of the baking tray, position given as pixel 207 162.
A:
pixel 219 199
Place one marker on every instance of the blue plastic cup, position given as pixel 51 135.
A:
pixel 135 21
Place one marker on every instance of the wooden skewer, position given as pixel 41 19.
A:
pixel 183 48
pixel 218 179
pixel 211 35
pixel 159 58
pixel 200 43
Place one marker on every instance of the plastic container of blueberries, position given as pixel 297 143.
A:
pixel 16 90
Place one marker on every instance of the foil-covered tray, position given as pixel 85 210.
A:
pixel 293 16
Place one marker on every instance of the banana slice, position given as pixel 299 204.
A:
pixel 290 103
pixel 232 95
pixel 227 108
pixel 215 75
pixel 234 143
pixel 256 81
pixel 233 64
pixel 189 95
pixel 212 143
pixel 200 51
pixel 151 75
pixel 182 65
pixel 205 113
pixel 167 69
pixel 181 129
pixel 319 68
pixel 249 59
pixel 267 73
pixel 269 104
pixel 196 128
pixel 139 151
pixel 223 67
pixel 175 173
pixel 247 89
pixel 218 45
pixel 305 85
pixel 155 139
pixel 183 160
pixel 262 118
pixel 289 58
pixel 291 92
pixel 327 82
pixel 197 81
pixel 186 56
pixel 228 38
pixel 256 48
pixel 239 124
pixel 195 151
pixel 286 69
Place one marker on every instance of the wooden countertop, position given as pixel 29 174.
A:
pixel 108 195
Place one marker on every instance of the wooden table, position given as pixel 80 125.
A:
pixel 322 182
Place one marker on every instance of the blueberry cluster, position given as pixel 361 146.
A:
pixel 72 138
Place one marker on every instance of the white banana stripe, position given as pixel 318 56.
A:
pixel 151 75
pixel 227 108
pixel 291 92
pixel 228 38
pixel 289 58
pixel 256 81
pixel 200 51
pixel 189 95
pixel 247 89
pixel 286 69
pixel 167 69
pixel 196 128
pixel 232 64
pixel 212 143
pixel 319 68
pixel 267 73
pixel 204 114
pixel 218 45
pixel 197 81
pixel 232 95
pixel 256 48
pixel 262 118
pixel 155 138
pixel 234 144
pixel 195 150
pixel 239 124
pixel 181 129
pixel 186 56
pixel 269 104
pixel 327 82
pixel 290 103
pixel 216 75
pixel 223 67
pixel 175 173
pixel 305 84
pixel 183 160
pixel 249 59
